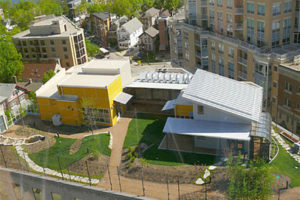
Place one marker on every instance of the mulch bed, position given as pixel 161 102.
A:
pixel 160 173
pixel 75 146
pixel 96 166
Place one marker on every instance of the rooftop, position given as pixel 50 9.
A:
pixel 235 97
pixel 48 26
pixel 151 12
pixel 6 90
pixel 132 25
pixel 152 32
pixel 102 15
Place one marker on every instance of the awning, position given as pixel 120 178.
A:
pixel 213 129
pixel 169 105
pixel 123 98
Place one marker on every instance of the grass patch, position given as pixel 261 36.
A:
pixel 285 164
pixel 148 129
pixel 49 157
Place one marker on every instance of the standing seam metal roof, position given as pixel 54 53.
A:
pixel 225 94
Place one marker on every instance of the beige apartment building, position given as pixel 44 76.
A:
pixel 243 40
pixel 52 37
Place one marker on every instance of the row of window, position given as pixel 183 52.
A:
pixel 38 42
pixel 221 49
pixel 276 8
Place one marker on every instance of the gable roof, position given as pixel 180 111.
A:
pixel 132 25
pixel 235 97
pixel 151 12
pixel 6 90
pixel 152 32
pixel 101 15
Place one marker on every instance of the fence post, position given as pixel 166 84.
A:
pixel 143 182
pixel 178 188
pixel 168 186
pixel 69 174
pixel 87 168
pixel 62 176
pixel 3 156
pixel 109 177
pixel 119 179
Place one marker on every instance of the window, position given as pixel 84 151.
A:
pixel 250 7
pixel 52 42
pixel 212 2
pixel 53 49
pixel 42 42
pixel 65 49
pixel 66 56
pixel 200 110
pixel 260 33
pixel 219 3
pixel 211 17
pixel 230 70
pixel 287 102
pixel 44 50
pixel 250 30
pixel 231 52
pixel 288 86
pixel 229 24
pixel 274 99
pixel 63 41
pixel 275 33
pixel 213 63
pixel 220 22
pixel 275 68
pixel 31 42
pixel 288 7
pixel 275 84
pixel 221 48
pixel 229 3
pixel 213 45
pixel 261 9
pixel 68 64
pixel 24 43
pixel 221 66
pixel 276 9
pixel 286 37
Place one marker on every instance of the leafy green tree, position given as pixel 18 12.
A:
pixel 48 75
pixel 252 182
pixel 9 116
pixel 10 61
pixel 48 7
pixel 171 4
pixel 92 49
pixel 5 5
pixel 148 4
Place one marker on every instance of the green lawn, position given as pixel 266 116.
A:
pixel 285 164
pixel 49 157
pixel 148 129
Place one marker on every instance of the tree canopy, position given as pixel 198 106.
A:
pixel 48 75
pixel 92 49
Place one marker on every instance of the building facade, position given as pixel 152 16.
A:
pixel 85 94
pixel 148 40
pixel 243 40
pixel 52 37
pixel 150 17
pixel 129 33
pixel 101 25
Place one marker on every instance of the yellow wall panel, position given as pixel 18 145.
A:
pixel 183 110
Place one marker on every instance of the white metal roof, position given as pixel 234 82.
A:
pixel 223 130
pixel 123 98
pixel 169 105
pixel 225 94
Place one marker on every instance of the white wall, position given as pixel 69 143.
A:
pixel 212 114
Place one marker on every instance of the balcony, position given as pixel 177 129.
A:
pixel 242 75
pixel 239 11
pixel 242 61
pixel 238 26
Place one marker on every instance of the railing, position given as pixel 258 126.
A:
pixel 239 11
pixel 242 61
pixel 242 75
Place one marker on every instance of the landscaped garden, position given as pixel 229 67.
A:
pixel 71 154
pixel 285 164
pixel 140 150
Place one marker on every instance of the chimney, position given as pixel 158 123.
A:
pixel 15 79
pixel 30 81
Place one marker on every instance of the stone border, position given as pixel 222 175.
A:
pixel 19 141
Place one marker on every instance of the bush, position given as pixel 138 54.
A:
pixel 9 115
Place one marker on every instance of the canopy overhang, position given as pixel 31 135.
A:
pixel 169 105
pixel 212 129
pixel 123 98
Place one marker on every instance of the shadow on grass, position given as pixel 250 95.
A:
pixel 147 128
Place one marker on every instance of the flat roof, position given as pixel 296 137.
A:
pixel 212 129
pixel 106 63
pixel 88 80
pixel 166 86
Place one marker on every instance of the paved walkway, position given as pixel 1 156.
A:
pixel 285 146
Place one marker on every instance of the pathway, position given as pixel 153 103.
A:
pixel 285 146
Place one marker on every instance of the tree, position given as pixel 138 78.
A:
pixel 48 7
pixel 10 61
pixel 48 75
pixel 88 113
pixel 171 5
pixel 148 4
pixel 92 49
pixel 9 116
pixel 252 182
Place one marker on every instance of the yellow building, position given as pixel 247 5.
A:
pixel 90 93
